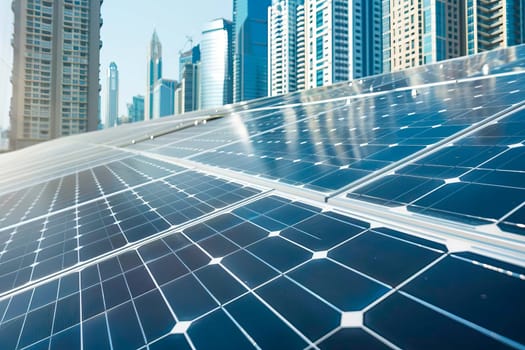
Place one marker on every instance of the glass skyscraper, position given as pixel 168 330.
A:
pixel 154 73
pixel 136 109
pixel 187 93
pixel 112 96
pixel 216 64
pixel 250 49
pixel 193 56
pixel 164 98
pixel 56 46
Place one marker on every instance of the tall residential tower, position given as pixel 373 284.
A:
pixel 283 46
pixel 343 40
pixel 55 76
pixel 492 24
pixel 154 73
pixel 418 32
pixel 112 96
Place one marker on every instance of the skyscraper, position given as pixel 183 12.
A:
pixel 55 76
pixel 193 55
pixel 136 109
pixel 112 96
pixel 493 24
pixel 366 44
pixel 154 73
pixel 216 64
pixel 164 98
pixel 343 40
pixel 283 46
pixel 189 95
pixel 250 49
pixel 301 49
pixel 421 32
pixel 187 98
pixel 327 54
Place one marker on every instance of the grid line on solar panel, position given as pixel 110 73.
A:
pixel 238 128
pixel 31 169
pixel 477 180
pixel 111 223
pixel 317 154
pixel 146 286
pixel 88 185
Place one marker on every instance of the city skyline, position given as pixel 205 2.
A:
pixel 127 47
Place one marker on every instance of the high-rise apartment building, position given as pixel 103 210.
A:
pixel 492 24
pixel 55 74
pixel 216 67
pixel 164 98
pixel 250 49
pixel 112 96
pixel 282 46
pixel 420 32
pixel 343 40
pixel 154 73
pixel 136 109
pixel 327 42
pixel 301 49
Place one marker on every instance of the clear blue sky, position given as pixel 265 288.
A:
pixel 127 30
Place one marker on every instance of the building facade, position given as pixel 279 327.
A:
pixel 343 40
pixel 154 73
pixel 366 38
pixel 301 49
pixel 327 42
pixel 164 98
pixel 112 96
pixel 56 46
pixel 216 67
pixel 189 94
pixel 421 31
pixel 282 46
pixel 193 55
pixel 493 24
pixel 250 49
pixel 136 109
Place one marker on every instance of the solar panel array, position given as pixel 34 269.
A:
pixel 386 212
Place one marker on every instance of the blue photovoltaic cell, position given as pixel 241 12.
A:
pixel 251 296
pixel 80 187
pixel 344 143
pixel 477 180
pixel 41 248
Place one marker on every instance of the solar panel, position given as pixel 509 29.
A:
pixel 380 213
pixel 477 180
pixel 308 287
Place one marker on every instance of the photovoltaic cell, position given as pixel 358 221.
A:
pixel 47 246
pixel 160 295
pixel 477 180
pixel 330 150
